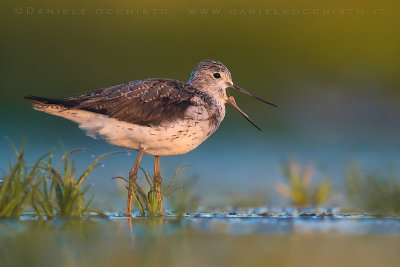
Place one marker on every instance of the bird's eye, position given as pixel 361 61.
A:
pixel 217 75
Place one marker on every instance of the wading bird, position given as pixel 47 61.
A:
pixel 159 117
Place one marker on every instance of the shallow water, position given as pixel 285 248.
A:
pixel 202 240
pixel 233 223
pixel 238 224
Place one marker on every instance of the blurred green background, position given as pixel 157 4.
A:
pixel 331 66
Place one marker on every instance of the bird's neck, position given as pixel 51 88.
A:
pixel 216 112
pixel 217 92
pixel 218 99
pixel 218 108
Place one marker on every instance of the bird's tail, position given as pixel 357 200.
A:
pixel 62 108
pixel 45 100
pixel 47 104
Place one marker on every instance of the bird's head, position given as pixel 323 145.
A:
pixel 214 78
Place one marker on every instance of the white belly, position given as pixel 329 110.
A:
pixel 172 138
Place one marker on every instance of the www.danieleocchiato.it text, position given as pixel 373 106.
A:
pixel 285 11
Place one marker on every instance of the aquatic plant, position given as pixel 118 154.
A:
pixel 146 198
pixel 374 194
pixel 300 190
pixel 62 192
pixel 17 187
pixel 184 200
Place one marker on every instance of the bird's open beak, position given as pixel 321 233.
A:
pixel 250 94
pixel 232 101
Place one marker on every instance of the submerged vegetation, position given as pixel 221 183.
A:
pixel 374 194
pixel 300 190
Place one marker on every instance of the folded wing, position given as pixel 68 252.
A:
pixel 148 102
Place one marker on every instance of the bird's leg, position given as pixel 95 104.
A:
pixel 132 180
pixel 157 183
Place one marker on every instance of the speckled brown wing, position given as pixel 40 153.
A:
pixel 146 103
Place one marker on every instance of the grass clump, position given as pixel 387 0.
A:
pixel 299 188
pixel 61 191
pixel 184 200
pixel 374 194
pixel 18 186
pixel 145 197
pixel 48 191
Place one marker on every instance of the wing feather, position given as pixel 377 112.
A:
pixel 147 102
